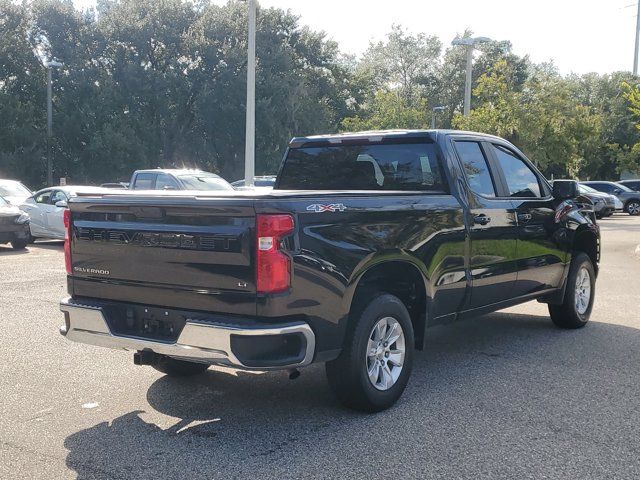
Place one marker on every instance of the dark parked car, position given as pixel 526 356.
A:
pixel 175 179
pixel 366 240
pixel 14 225
pixel 632 184
pixel 629 198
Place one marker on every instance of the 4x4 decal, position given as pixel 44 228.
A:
pixel 332 207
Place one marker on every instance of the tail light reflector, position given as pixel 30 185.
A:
pixel 273 267
pixel 67 240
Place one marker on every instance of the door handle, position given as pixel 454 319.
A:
pixel 481 219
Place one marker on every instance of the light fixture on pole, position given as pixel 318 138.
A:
pixel 433 115
pixel 250 130
pixel 470 44
pixel 50 65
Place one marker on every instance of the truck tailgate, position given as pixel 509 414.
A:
pixel 185 252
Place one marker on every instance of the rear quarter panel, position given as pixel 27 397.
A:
pixel 331 250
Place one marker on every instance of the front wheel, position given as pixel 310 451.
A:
pixel 375 364
pixel 579 294
pixel 19 244
pixel 633 207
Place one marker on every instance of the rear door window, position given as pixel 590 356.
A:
pixel 145 181
pixel 394 166
pixel 58 196
pixel 476 168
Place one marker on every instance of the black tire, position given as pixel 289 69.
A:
pixel 348 375
pixel 19 244
pixel 633 207
pixel 179 368
pixel 567 315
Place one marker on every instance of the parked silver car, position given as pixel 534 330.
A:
pixel 630 199
pixel 603 204
pixel 46 209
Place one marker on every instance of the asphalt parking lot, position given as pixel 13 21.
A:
pixel 506 395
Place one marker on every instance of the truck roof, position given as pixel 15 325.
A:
pixel 175 171
pixel 375 136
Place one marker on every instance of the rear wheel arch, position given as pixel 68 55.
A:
pixel 400 278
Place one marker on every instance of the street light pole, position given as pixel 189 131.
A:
pixel 467 81
pixel 49 129
pixel 433 115
pixel 635 53
pixel 469 44
pixel 250 130
pixel 49 66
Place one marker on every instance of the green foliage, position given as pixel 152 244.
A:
pixel 388 111
pixel 148 83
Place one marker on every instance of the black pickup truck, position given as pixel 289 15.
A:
pixel 366 240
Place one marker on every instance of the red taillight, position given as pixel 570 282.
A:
pixel 272 265
pixel 67 240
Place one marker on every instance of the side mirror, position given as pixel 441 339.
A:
pixel 565 189
pixel 61 204
pixel 617 191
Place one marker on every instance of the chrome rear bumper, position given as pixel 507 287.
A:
pixel 198 341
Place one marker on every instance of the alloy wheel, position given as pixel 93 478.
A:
pixel 583 291
pixel 385 353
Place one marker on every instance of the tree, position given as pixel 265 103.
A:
pixel 403 62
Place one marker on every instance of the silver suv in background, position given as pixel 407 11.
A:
pixel 177 179
pixel 632 184
pixel 630 199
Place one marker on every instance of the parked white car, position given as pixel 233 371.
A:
pixel 46 209
pixel 14 192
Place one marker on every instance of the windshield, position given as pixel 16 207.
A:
pixel 14 189
pixel 204 182
pixel 3 202
pixel 623 187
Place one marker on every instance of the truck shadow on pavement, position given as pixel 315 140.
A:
pixel 511 376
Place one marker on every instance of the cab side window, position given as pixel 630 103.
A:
pixel 521 180
pixel 166 182
pixel 476 168
pixel 144 181
pixel 44 197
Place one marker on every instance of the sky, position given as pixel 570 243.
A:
pixel 578 36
